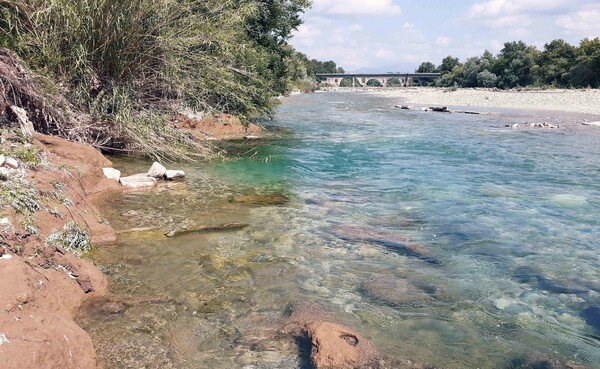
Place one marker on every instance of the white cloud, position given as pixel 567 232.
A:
pixel 492 8
pixel 356 7
pixel 408 25
pixel 306 35
pixel 442 41
pixel 582 23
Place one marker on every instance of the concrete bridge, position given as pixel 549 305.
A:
pixel 406 79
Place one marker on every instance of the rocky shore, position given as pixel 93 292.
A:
pixel 570 101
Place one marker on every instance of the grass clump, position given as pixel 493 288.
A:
pixel 128 64
pixel 19 194
pixel 72 237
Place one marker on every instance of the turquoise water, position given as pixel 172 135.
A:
pixel 444 238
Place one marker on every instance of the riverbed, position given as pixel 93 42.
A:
pixel 449 239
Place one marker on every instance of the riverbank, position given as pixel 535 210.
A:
pixel 49 218
pixel 568 101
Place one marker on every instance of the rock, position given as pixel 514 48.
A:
pixel 261 199
pixel 337 347
pixel 392 240
pixel 201 229
pixel 11 163
pixel 112 173
pixel 174 174
pixel 2 160
pixel 395 291
pixel 157 170
pixel 5 173
pixel 443 109
pixel 516 125
pixel 6 257
pixel 251 137
pixel 24 122
pixel 591 123
pixel 591 315
pixel 137 181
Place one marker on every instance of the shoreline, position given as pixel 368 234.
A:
pixel 576 101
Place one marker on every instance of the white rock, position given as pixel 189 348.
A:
pixel 112 173
pixel 4 222
pixel 157 170
pixel 173 174
pixel 5 173
pixel 138 180
pixel 516 125
pixel 7 256
pixel 2 160
pixel 11 163
pixel 591 123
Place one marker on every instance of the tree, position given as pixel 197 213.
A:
pixel 586 71
pixel 515 63
pixel 427 67
pixel 555 62
pixel 448 63
pixel 486 79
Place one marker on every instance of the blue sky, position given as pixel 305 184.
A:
pixel 397 35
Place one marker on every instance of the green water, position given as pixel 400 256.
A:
pixel 504 223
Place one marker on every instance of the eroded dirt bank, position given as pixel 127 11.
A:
pixel 47 218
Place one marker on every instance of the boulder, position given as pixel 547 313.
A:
pixel 337 347
pixel 11 163
pixel 112 173
pixel 157 170
pixel 174 174
pixel 2 160
pixel 137 181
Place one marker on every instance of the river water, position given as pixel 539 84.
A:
pixel 448 239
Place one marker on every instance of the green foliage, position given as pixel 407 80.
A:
pixel 19 194
pixel 129 61
pixel 519 65
pixel 72 237
pixel 427 67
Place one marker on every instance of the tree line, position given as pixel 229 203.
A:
pixel 518 64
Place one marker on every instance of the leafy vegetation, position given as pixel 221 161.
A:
pixel 72 237
pixel 559 64
pixel 129 64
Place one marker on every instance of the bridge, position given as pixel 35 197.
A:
pixel 405 79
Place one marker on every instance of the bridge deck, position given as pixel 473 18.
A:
pixel 377 75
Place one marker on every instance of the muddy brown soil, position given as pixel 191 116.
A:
pixel 42 286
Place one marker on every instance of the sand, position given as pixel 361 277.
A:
pixel 570 101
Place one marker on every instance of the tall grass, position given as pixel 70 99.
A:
pixel 128 62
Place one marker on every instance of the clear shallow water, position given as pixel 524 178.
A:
pixel 504 223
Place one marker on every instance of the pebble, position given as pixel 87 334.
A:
pixel 11 163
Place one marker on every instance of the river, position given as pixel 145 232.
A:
pixel 448 239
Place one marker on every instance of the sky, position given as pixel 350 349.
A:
pixel 397 35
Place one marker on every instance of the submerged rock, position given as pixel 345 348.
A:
pixel 525 274
pixel 591 315
pixel 395 291
pixel 211 228
pixel 137 181
pixel 276 199
pixel 394 241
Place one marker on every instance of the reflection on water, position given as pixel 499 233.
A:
pixel 443 238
